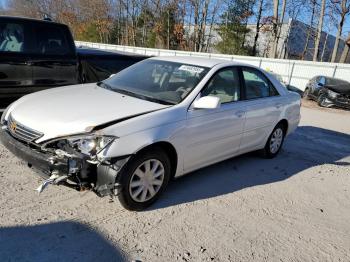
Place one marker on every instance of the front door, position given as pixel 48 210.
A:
pixel 215 134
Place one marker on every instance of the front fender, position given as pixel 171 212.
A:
pixel 173 133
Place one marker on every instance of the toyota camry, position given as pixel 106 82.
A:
pixel 159 119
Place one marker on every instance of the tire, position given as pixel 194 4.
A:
pixel 279 132
pixel 321 99
pixel 306 94
pixel 131 182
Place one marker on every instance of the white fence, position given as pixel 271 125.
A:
pixel 294 72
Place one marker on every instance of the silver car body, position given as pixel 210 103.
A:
pixel 199 137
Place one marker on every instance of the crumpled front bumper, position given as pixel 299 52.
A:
pixel 101 178
pixel 42 162
pixel 339 101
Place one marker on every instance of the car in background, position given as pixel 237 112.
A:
pixel 158 119
pixel 328 92
pixel 40 54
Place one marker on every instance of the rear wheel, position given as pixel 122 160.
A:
pixel 275 141
pixel 144 179
pixel 306 94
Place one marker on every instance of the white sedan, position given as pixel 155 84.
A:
pixel 158 119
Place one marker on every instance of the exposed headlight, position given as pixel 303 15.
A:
pixel 91 145
pixel 332 94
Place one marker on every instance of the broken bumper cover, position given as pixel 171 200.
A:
pixel 340 101
pixel 103 179
pixel 38 160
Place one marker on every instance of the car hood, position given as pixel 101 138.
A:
pixel 76 109
pixel 341 89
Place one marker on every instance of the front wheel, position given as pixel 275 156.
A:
pixel 143 179
pixel 321 101
pixel 275 141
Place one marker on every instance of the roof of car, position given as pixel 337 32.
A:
pixel 198 61
pixel 21 18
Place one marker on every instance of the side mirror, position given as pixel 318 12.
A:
pixel 207 102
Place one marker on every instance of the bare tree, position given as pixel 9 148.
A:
pixel 280 24
pixel 345 52
pixel 342 8
pixel 310 29
pixel 319 30
pixel 212 21
pixel 274 28
pixel 258 25
pixel 324 47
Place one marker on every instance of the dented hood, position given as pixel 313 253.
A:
pixel 76 109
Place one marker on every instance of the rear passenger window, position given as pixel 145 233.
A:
pixel 51 40
pixel 11 37
pixel 257 85
pixel 225 84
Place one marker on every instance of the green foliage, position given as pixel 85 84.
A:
pixel 89 34
pixel 233 28
pixel 233 37
pixel 151 40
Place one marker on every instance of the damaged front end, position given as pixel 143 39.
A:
pixel 72 161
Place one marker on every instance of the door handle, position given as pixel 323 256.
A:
pixel 239 114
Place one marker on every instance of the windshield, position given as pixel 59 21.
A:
pixel 157 81
pixel 336 82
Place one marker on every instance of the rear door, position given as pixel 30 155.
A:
pixel 54 60
pixel 263 108
pixel 15 69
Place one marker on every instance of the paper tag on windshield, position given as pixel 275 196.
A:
pixel 192 69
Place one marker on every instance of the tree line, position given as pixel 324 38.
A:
pixel 193 25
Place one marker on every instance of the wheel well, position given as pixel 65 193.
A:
pixel 284 123
pixel 169 150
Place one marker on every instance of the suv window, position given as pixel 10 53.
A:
pixel 225 84
pixel 11 37
pixel 257 85
pixel 50 39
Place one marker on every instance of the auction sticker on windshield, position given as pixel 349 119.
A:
pixel 192 69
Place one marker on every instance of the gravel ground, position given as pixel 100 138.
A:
pixel 295 207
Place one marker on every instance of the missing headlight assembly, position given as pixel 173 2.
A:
pixel 81 153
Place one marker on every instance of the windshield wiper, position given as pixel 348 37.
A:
pixel 104 85
pixel 148 98
pixel 129 93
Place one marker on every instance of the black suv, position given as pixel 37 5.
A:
pixel 38 54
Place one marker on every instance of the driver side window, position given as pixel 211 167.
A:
pixel 224 84
pixel 12 37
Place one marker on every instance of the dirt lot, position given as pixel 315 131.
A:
pixel 292 208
